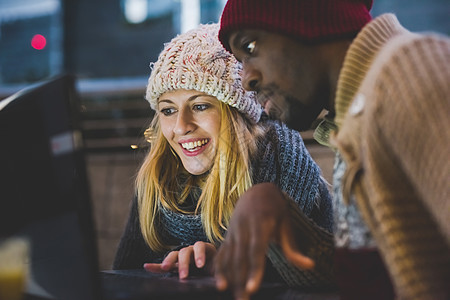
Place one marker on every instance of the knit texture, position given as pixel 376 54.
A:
pixel 305 20
pixel 283 159
pixel 350 229
pixel 317 244
pixel 395 143
pixel 196 60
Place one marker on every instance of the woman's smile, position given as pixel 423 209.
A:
pixel 194 147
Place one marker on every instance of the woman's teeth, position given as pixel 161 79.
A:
pixel 191 146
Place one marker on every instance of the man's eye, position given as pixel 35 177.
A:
pixel 250 47
pixel 201 107
pixel 167 111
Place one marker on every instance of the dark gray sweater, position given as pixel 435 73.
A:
pixel 282 158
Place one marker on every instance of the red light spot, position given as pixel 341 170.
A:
pixel 38 42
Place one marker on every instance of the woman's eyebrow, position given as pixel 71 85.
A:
pixel 165 100
pixel 192 98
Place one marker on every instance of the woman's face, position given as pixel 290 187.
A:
pixel 190 121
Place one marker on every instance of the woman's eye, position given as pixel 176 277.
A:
pixel 250 47
pixel 201 107
pixel 167 111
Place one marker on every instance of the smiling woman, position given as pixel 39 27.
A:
pixel 196 92
pixel 210 142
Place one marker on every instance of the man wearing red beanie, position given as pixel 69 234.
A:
pixel 386 92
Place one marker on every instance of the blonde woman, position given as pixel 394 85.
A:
pixel 209 144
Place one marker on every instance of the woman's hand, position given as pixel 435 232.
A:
pixel 200 256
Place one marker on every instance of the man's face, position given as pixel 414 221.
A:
pixel 289 77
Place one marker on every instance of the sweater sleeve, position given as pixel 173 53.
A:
pixel 417 109
pixel 395 140
pixel 300 178
pixel 406 132
pixel 288 164
pixel 133 251
pixel 317 243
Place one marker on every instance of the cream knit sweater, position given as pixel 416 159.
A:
pixel 393 105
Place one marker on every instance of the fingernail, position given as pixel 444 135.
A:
pixel 250 285
pixel 199 263
pixel 221 284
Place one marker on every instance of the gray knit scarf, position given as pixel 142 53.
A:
pixel 283 159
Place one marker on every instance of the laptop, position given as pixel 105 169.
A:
pixel 44 196
pixel 44 193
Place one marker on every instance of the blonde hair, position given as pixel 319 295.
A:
pixel 162 180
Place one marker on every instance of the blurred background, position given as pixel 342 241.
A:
pixel 108 45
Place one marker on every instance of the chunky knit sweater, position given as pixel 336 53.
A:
pixel 283 159
pixel 392 111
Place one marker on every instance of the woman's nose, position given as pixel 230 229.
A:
pixel 184 123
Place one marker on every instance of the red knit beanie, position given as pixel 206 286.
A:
pixel 310 21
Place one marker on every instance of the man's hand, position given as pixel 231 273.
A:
pixel 199 255
pixel 261 216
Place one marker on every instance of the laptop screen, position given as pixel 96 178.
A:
pixel 44 192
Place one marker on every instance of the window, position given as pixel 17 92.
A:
pixel 187 14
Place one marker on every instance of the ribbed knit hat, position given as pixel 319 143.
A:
pixel 310 21
pixel 196 60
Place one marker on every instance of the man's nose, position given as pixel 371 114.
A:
pixel 251 78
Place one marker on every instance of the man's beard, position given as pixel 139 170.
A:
pixel 288 109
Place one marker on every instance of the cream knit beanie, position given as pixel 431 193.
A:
pixel 196 60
